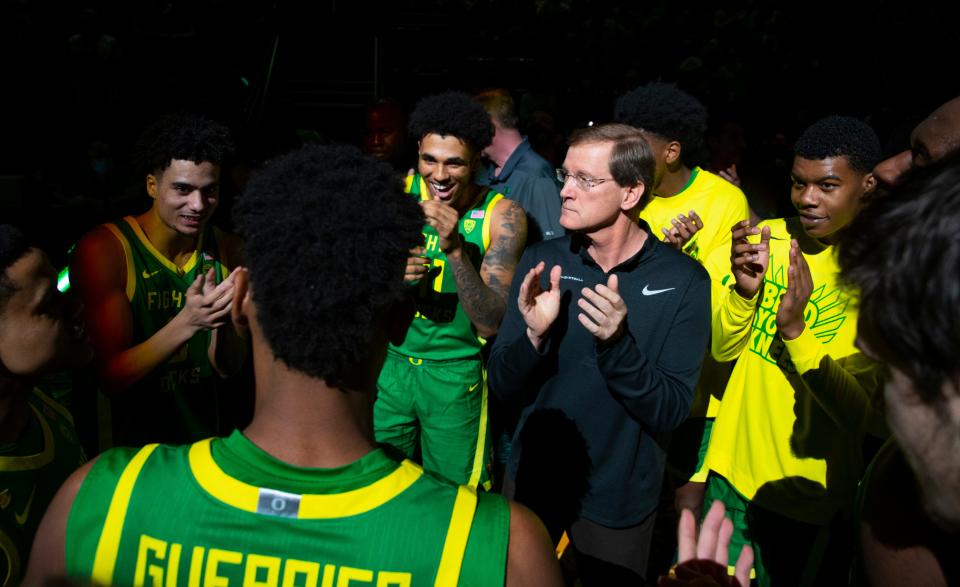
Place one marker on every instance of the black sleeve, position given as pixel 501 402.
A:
pixel 658 395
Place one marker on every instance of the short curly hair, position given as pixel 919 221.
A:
pixel 901 253
pixel 452 114
pixel 327 231
pixel 189 137
pixel 668 112
pixel 13 246
pixel 841 136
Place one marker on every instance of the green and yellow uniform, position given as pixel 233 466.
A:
pixel 31 472
pixel 774 442
pixel 223 512
pixel 433 384
pixel 177 401
pixel 720 205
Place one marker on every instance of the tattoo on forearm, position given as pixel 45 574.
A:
pixel 483 304
pixel 483 294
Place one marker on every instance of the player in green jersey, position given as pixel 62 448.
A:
pixel 40 332
pixel 157 292
pixel 433 385
pixel 303 495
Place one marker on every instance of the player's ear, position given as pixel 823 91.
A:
pixel 869 183
pixel 399 319
pixel 152 185
pixel 671 155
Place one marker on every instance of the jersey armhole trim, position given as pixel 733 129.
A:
pixel 455 545
pixel 487 216
pixel 34 461
pixel 108 546
pixel 131 286
pixel 54 404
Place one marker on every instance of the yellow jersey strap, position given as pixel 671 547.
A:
pixel 108 545
pixel 455 545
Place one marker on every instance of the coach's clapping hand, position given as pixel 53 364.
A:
pixel 539 307
pixel 604 311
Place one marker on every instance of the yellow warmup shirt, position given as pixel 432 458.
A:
pixel 720 205
pixel 789 430
pixel 717 202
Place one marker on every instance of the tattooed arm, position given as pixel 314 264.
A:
pixel 483 294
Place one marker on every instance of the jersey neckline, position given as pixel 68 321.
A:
pixel 359 487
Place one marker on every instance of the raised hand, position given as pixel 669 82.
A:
pixel 790 321
pixel 702 561
pixel 539 307
pixel 207 304
pixel 444 219
pixel 684 227
pixel 749 262
pixel 730 174
pixel 604 311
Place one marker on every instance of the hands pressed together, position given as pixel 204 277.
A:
pixel 207 304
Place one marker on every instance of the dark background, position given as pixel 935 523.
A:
pixel 81 79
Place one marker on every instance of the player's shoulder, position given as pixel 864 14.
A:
pixel 99 260
pixel 104 238
pixel 718 186
pixel 505 208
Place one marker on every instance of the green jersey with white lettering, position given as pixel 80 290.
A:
pixel 223 512
pixel 31 471
pixel 177 401
pixel 441 329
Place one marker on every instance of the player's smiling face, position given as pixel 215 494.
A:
pixel 185 195
pixel 827 193
pixel 447 165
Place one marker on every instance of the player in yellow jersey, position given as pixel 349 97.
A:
pixel 304 492
pixel 40 332
pixel 785 452
pixel 691 209
pixel 157 291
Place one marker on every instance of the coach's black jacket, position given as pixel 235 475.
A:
pixel 619 397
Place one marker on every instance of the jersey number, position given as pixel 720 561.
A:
pixel 438 280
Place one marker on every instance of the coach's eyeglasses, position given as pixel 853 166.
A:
pixel 583 182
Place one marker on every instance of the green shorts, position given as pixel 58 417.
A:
pixel 445 404
pixel 785 551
